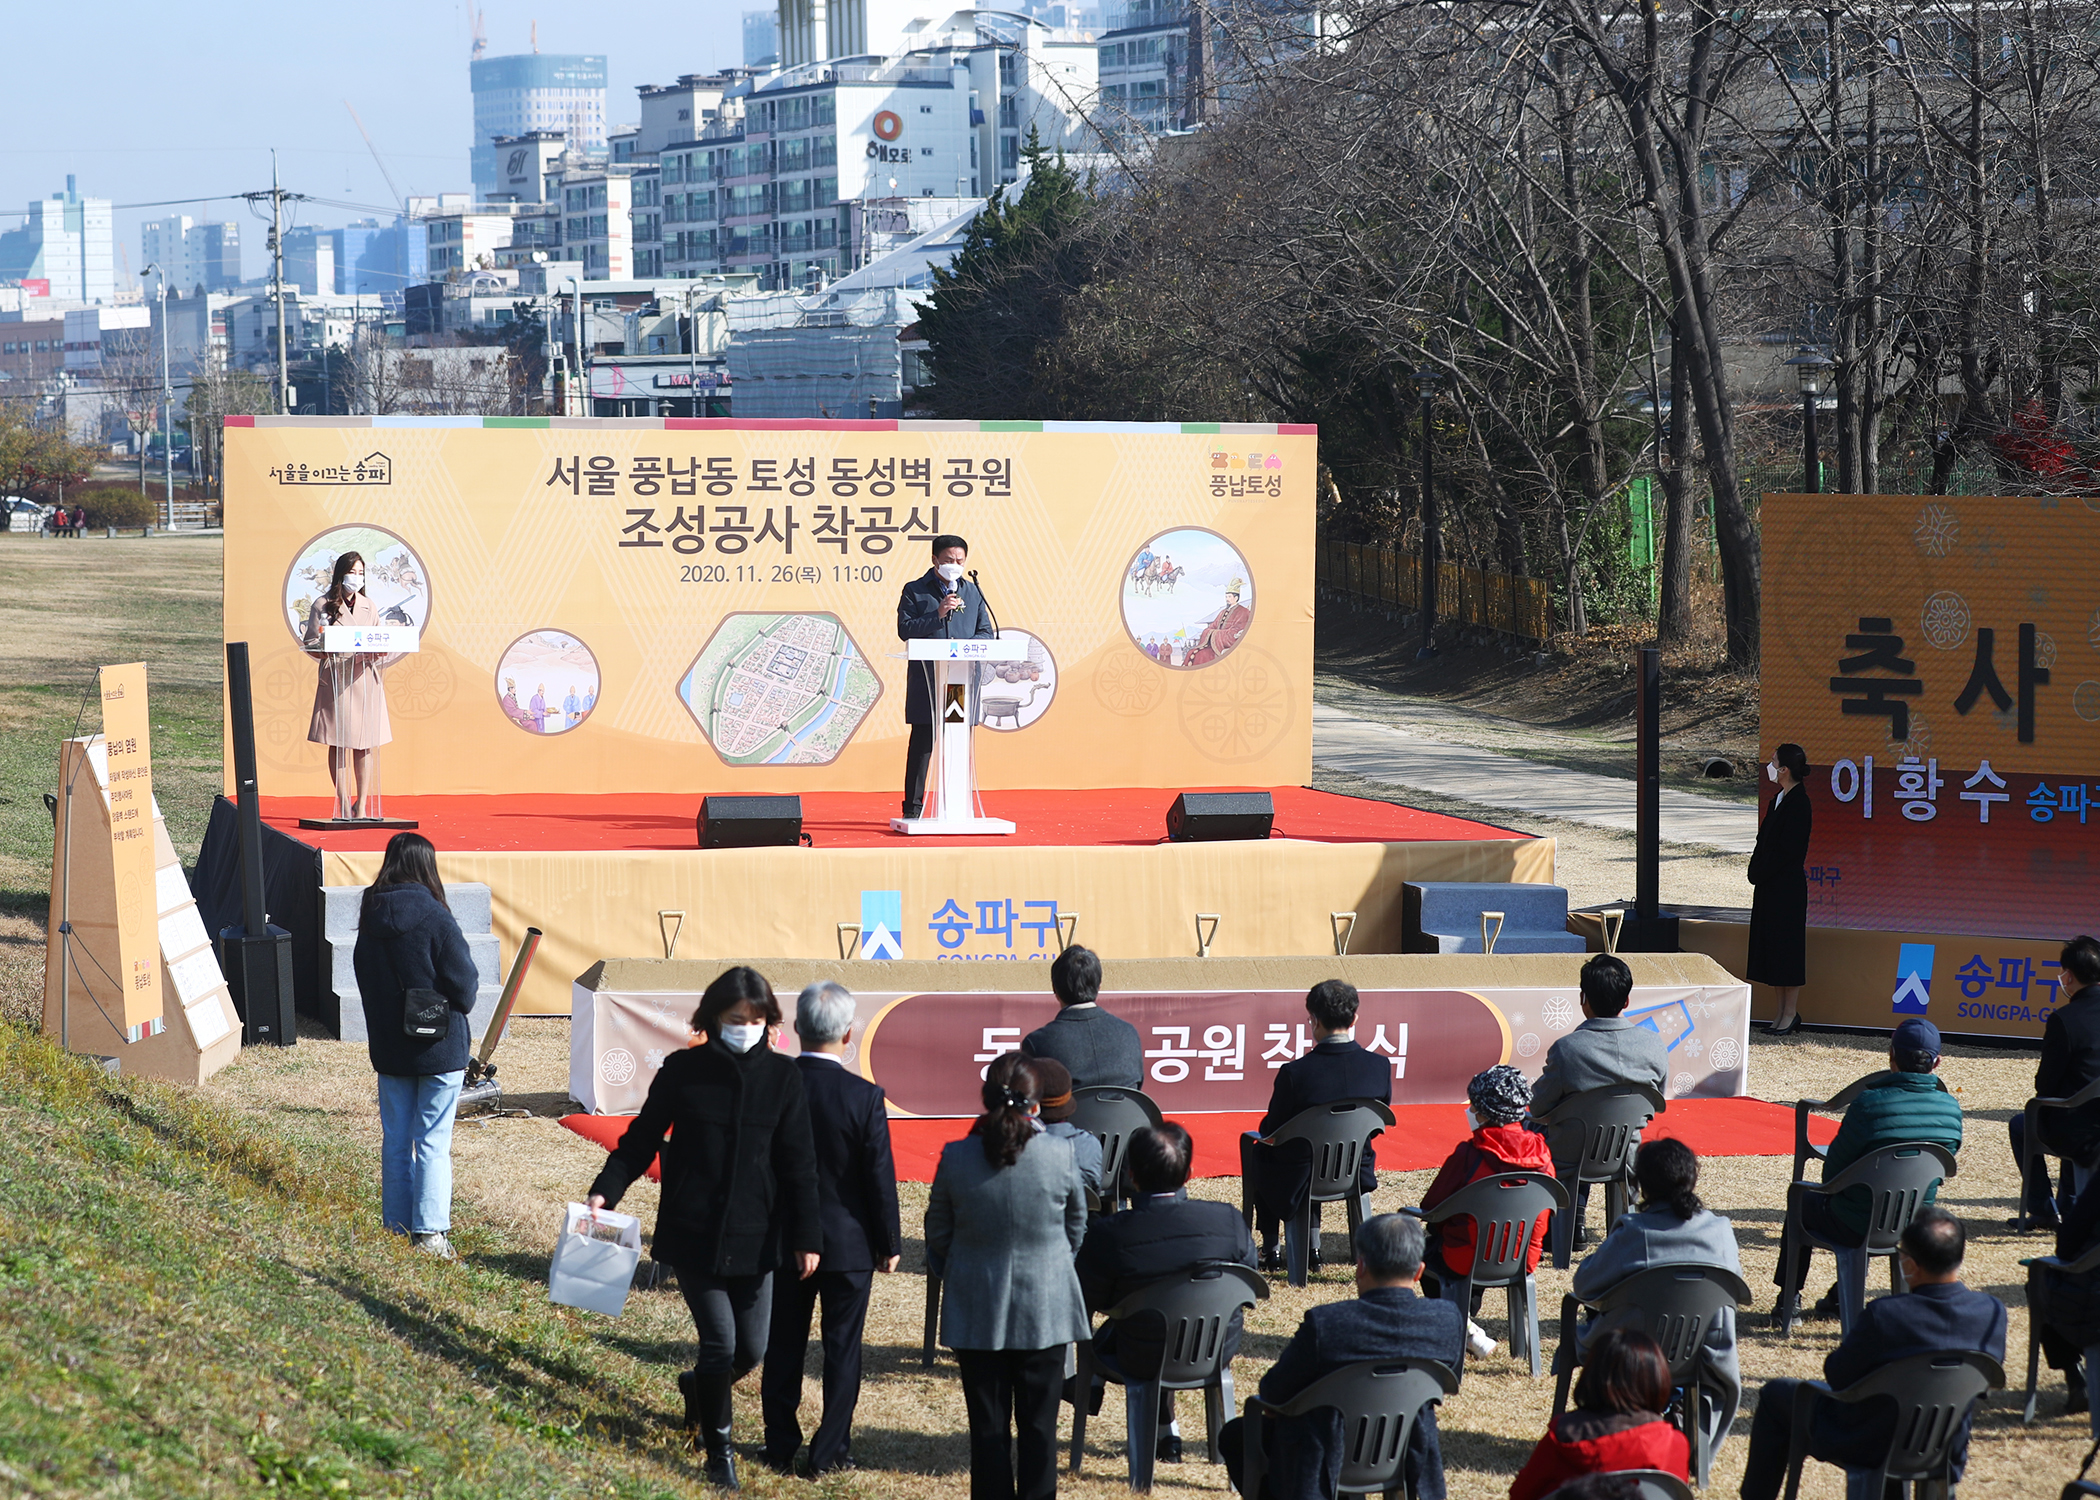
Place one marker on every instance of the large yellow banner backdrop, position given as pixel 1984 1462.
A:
pixel 655 605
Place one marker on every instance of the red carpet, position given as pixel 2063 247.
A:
pixel 1422 1139
pixel 859 820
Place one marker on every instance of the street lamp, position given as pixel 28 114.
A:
pixel 167 416
pixel 1426 382
pixel 1811 368
pixel 584 405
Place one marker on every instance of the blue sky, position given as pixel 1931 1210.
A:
pixel 184 98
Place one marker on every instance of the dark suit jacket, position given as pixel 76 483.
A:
pixel 1304 1453
pixel 1336 1069
pixel 856 1178
pixel 2070 1061
pixel 1925 1320
pixel 1159 1237
pixel 919 618
pixel 1099 1048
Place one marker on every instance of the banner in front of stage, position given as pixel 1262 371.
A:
pixel 615 606
pixel 1205 1051
pixel 1938 657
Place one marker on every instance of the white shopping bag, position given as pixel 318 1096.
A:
pixel 594 1260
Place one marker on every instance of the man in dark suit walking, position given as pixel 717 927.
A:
pixel 1937 1315
pixel 1388 1319
pixel 1161 1235
pixel 939 603
pixel 1335 1068
pixel 857 1206
pixel 1098 1048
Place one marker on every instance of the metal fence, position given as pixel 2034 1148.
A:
pixel 1509 605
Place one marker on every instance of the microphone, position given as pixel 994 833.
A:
pixel 987 603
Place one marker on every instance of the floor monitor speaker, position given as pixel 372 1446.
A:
pixel 1200 817
pixel 749 822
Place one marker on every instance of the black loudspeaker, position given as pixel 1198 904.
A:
pixel 1201 817
pixel 748 822
pixel 259 975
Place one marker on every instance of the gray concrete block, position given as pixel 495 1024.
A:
pixel 469 899
pixel 471 907
pixel 485 998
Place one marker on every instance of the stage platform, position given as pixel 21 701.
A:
pixel 605 875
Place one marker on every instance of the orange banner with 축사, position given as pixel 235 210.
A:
pixel 1939 659
pixel 660 605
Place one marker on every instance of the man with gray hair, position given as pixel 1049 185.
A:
pixel 1388 1319
pixel 857 1207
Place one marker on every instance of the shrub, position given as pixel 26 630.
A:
pixel 113 505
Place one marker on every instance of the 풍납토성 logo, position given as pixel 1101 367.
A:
pixel 373 468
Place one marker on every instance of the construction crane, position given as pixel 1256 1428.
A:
pixel 478 26
pixel 369 146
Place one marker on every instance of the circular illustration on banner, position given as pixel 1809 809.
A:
pixel 779 690
pixel 1014 694
pixel 396 581
pixel 1239 712
pixel 1188 598
pixel 547 682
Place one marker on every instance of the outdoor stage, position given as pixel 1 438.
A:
pixel 596 874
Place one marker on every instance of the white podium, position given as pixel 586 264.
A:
pixel 951 794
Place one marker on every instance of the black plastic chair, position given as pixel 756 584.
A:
pixel 1198 1307
pixel 1380 1401
pixel 2035 1144
pixel 1933 1395
pixel 1337 1135
pixel 2088 1262
pixel 1112 1115
pixel 1611 1120
pixel 1505 1210
pixel 1650 1484
pixel 1675 1306
pixel 1897 1176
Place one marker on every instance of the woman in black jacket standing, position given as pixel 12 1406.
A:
pixel 407 940
pixel 1779 870
pixel 739 1190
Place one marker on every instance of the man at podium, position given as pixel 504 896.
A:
pixel 938 603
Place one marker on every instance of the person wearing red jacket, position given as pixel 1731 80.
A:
pixel 1616 1424
pixel 1496 1103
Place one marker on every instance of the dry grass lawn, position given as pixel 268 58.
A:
pixel 514 1173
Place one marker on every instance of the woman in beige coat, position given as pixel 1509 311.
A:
pixel 350 699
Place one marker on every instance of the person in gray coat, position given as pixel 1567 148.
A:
pixel 1671 1227
pixel 1099 1049
pixel 1604 1050
pixel 1003 1224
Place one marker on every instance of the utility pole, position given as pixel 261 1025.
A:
pixel 284 373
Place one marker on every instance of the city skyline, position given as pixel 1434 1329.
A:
pixel 403 66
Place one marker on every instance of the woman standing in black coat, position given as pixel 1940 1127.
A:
pixel 1779 870
pixel 739 1190
pixel 407 939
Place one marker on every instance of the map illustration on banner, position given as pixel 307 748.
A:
pixel 547 682
pixel 1942 670
pixel 721 600
pixel 780 690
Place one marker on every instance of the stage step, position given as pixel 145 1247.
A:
pixel 470 904
pixel 1443 916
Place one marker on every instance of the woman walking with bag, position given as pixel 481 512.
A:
pixel 417 981
pixel 1002 1226
pixel 739 1190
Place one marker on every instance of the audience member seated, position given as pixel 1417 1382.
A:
pixel 1162 1234
pixel 1671 1227
pixel 1386 1320
pixel 1606 1049
pixel 1098 1049
pixel 1279 1177
pixel 2070 1061
pixel 1496 1101
pixel 2067 1309
pixel 1617 1422
pixel 1912 1106
pixel 1056 1118
pixel 1938 1314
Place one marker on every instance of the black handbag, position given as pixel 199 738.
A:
pixel 425 1014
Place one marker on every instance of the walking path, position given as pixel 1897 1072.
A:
pixel 1343 741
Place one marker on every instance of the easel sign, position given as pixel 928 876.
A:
pixel 127 731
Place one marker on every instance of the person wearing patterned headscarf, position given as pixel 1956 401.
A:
pixel 1496 1101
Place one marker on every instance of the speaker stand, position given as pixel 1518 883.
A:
pixel 352 825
